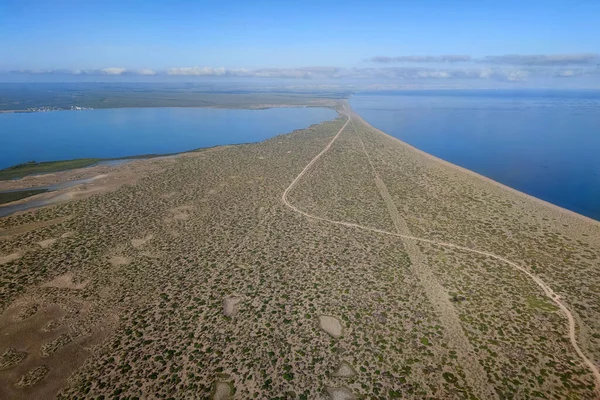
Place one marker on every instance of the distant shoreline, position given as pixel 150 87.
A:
pixel 21 170
pixel 534 201
pixel 225 107
pixel 443 163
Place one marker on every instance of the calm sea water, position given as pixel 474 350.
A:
pixel 544 143
pixel 61 135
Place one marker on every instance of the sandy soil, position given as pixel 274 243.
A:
pixel 331 325
pixel 65 281
pixel 340 393
pixel 344 370
pixel 435 292
pixel 230 306
pixel 417 264
pixel 8 258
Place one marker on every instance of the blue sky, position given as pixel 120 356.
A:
pixel 218 38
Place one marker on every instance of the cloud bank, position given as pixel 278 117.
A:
pixel 449 58
pixel 507 59
pixel 508 68
pixel 544 60
pixel 101 71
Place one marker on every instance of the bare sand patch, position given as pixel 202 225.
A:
pixel 117 261
pixel 9 258
pixel 137 243
pixel 65 281
pixel 66 235
pixel 344 370
pixel 99 179
pixel 340 393
pixel 51 355
pixel 230 305
pixel 331 325
pixel 17 230
pixel 181 213
pixel 44 244
pixel 168 195
pixel 222 391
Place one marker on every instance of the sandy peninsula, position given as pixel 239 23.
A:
pixel 330 262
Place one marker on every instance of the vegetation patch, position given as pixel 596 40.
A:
pixel 541 304
pixel 32 167
pixel 8 197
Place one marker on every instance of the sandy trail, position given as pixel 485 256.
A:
pixel 476 376
pixel 545 288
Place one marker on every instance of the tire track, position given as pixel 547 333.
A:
pixel 555 298
pixel 475 376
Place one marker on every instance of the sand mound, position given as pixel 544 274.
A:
pixel 331 325
pixel 340 393
pixel 344 370
pixel 65 281
pixel 137 243
pixel 222 391
pixel 47 243
pixel 181 213
pixel 230 305
pixel 117 261
pixel 9 258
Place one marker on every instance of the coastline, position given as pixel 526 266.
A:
pixel 328 104
pixel 130 169
pixel 32 181
pixel 464 259
pixel 476 175
pixel 331 103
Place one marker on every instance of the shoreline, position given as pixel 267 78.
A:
pixel 439 161
pixel 96 160
pixel 102 168
pixel 474 174
pixel 258 106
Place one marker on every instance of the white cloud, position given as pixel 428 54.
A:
pixel 517 75
pixel 146 71
pixel 414 73
pixel 448 58
pixel 197 71
pixel 113 71
pixel 544 59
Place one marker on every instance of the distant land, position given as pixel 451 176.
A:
pixel 21 97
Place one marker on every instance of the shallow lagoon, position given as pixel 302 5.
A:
pixel 110 133
pixel 544 143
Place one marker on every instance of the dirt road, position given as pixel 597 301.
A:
pixel 555 298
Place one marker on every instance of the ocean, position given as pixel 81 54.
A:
pixel 543 143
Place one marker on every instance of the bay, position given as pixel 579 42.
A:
pixel 123 132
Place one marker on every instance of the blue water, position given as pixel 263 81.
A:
pixel 544 143
pixel 62 135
